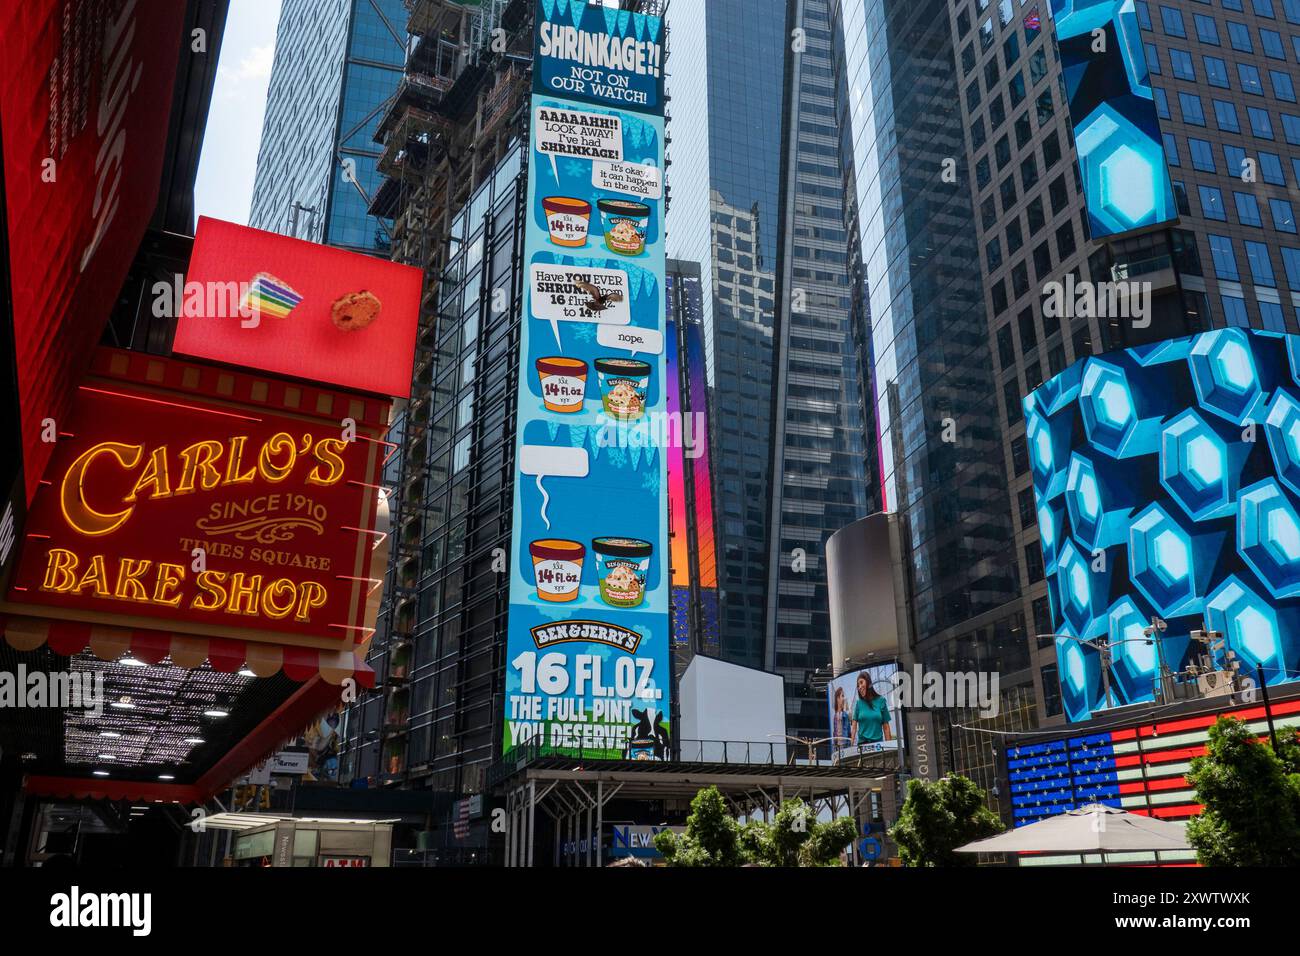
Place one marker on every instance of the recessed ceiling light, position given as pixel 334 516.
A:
pixel 106 757
pixel 165 776
pixel 216 712
pixel 194 740
pixel 246 673
pixel 100 773
pixel 109 733
pixel 132 662
pixel 123 704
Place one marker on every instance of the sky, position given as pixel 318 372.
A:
pixel 227 165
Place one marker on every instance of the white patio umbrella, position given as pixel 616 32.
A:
pixel 1090 829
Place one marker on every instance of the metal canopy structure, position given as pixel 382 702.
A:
pixel 574 795
pixel 252 821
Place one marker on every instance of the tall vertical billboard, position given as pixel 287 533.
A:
pixel 1167 483
pixel 1116 132
pixel 690 492
pixel 588 669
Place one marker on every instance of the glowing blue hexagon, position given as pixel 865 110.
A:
pixel 1115 404
pixel 1075 670
pixel 1282 429
pixel 1125 176
pixel 1133 656
pixel 1048 442
pixel 1204 461
pixel 1226 374
pixel 1110 413
pixel 1098 518
pixel 1173 557
pixel 1283 535
pixel 1049 534
pixel 1260 634
pixel 1163 562
pixel 1082 592
pixel 1079 667
pixel 1236 367
pixel 1268 537
pixel 1128 186
pixel 1198 466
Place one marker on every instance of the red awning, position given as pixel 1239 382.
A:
pixel 187 650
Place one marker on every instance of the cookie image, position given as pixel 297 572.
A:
pixel 355 311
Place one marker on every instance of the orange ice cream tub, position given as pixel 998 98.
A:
pixel 557 568
pixel 564 383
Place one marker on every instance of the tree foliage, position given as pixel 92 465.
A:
pixel 938 817
pixel 1251 797
pixel 794 838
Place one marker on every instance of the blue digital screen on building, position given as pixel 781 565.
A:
pixel 1167 483
pixel 1116 132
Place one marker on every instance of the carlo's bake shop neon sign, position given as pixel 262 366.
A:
pixel 221 516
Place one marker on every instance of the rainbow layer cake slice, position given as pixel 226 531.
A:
pixel 271 296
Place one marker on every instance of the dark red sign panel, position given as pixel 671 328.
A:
pixel 164 508
pixel 264 301
pixel 85 95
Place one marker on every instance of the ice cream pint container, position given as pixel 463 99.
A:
pixel 557 568
pixel 568 220
pixel 623 386
pixel 622 565
pixel 625 222
pixel 564 383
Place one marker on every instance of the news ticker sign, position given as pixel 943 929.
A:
pixel 165 507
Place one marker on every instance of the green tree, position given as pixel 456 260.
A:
pixel 793 838
pixel 827 841
pixel 939 817
pixel 1251 797
pixel 712 836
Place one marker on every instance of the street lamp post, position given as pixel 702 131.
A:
pixel 1103 648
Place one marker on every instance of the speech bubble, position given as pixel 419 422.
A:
pixel 552 461
pixel 564 132
pixel 631 338
pixel 635 179
pixel 556 297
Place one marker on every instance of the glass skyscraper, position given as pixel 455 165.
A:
pixel 757 199
pixel 336 64
pixel 968 201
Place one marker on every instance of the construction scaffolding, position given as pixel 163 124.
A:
pixel 460 107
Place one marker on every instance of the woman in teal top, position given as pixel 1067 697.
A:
pixel 870 714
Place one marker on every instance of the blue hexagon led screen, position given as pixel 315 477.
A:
pixel 1167 483
pixel 1116 132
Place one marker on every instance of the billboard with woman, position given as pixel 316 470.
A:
pixel 863 715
